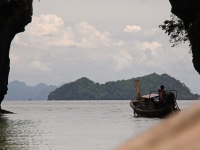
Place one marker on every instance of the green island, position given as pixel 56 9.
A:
pixel 85 89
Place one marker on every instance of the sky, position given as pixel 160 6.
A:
pixel 103 40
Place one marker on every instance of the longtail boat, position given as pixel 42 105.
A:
pixel 149 105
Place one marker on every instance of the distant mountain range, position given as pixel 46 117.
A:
pixel 85 89
pixel 20 91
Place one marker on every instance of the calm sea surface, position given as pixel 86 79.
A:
pixel 71 125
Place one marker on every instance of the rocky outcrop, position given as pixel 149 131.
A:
pixel 14 16
pixel 189 12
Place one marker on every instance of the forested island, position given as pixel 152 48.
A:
pixel 85 89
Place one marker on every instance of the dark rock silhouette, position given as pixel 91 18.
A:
pixel 189 12
pixel 14 16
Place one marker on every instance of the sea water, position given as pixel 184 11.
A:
pixel 71 125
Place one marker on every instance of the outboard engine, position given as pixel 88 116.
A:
pixel 170 98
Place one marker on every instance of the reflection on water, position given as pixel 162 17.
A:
pixel 15 134
pixel 3 133
pixel 70 125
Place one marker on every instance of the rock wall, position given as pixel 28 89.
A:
pixel 189 12
pixel 14 16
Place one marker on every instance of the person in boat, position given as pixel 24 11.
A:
pixel 161 93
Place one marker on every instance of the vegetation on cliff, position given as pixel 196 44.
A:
pixel 85 89
pixel 176 30
pixel 185 26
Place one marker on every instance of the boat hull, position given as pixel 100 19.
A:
pixel 157 113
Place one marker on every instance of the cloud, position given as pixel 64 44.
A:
pixel 40 66
pixel 151 46
pixel 54 44
pixel 45 25
pixel 50 30
pixel 123 60
pixel 132 29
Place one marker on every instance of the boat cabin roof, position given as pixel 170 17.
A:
pixel 150 96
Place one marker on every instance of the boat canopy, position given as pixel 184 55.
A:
pixel 150 96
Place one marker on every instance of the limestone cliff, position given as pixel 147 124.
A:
pixel 14 16
pixel 189 12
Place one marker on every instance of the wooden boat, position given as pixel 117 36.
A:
pixel 149 106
